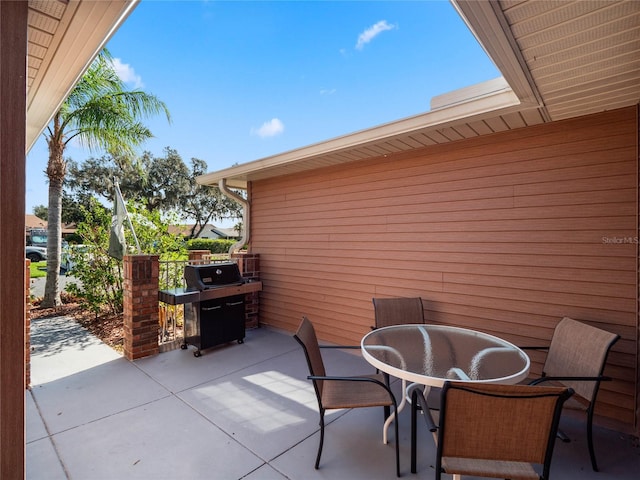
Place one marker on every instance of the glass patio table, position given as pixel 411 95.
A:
pixel 428 355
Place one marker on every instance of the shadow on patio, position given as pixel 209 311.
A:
pixel 239 411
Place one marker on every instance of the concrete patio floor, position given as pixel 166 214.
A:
pixel 240 411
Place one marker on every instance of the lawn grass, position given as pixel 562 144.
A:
pixel 38 269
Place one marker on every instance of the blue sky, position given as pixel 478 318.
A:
pixel 246 80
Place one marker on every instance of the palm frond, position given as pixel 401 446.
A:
pixel 101 114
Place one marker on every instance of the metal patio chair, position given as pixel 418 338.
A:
pixel 335 392
pixel 576 358
pixel 492 430
pixel 398 311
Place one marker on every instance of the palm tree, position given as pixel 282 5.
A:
pixel 100 115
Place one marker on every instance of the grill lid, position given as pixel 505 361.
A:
pixel 203 277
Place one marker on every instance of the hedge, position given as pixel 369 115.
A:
pixel 214 246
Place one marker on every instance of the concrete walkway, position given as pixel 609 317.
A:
pixel 37 284
pixel 241 411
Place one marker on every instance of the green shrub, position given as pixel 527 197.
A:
pixel 214 246
pixel 99 275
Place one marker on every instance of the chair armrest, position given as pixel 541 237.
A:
pixel 601 378
pixel 363 378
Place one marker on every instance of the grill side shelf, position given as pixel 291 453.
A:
pixel 180 296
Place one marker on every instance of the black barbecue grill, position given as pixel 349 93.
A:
pixel 211 322
pixel 203 277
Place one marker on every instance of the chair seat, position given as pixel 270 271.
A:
pixel 341 394
pixel 490 468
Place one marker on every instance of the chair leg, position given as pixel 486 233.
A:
pixel 387 413
pixel 395 423
pixel 387 409
pixel 414 414
pixel 321 439
pixel 592 452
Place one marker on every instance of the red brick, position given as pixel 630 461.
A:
pixel 140 306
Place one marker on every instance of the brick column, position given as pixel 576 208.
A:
pixel 249 264
pixel 197 257
pixel 27 325
pixel 140 305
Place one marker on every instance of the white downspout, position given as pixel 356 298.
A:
pixel 246 214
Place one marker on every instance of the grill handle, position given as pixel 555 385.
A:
pixel 235 303
pixel 208 309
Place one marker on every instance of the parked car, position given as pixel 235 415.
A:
pixel 36 254
pixel 37 237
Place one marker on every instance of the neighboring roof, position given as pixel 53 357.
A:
pixel 31 221
pixel 558 60
pixel 64 37
pixel 225 232
pixel 220 232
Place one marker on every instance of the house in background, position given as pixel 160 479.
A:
pixel 209 231
pixel 33 223
pixel 508 206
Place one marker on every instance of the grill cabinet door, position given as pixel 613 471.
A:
pixel 221 321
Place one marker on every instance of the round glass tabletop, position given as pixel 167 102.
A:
pixel 431 354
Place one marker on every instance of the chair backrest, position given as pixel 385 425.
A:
pixel 578 350
pixel 396 311
pixel 499 422
pixel 306 336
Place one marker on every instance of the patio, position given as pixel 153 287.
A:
pixel 239 411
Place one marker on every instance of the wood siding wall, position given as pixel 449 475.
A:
pixel 506 233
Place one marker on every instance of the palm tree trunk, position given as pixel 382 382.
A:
pixel 56 170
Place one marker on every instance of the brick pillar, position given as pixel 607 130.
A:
pixel 197 257
pixel 27 326
pixel 249 264
pixel 140 305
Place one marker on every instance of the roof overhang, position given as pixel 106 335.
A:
pixel 64 37
pixel 486 99
pixel 558 60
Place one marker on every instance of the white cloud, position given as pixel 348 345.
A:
pixel 327 91
pixel 127 74
pixel 372 32
pixel 269 129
